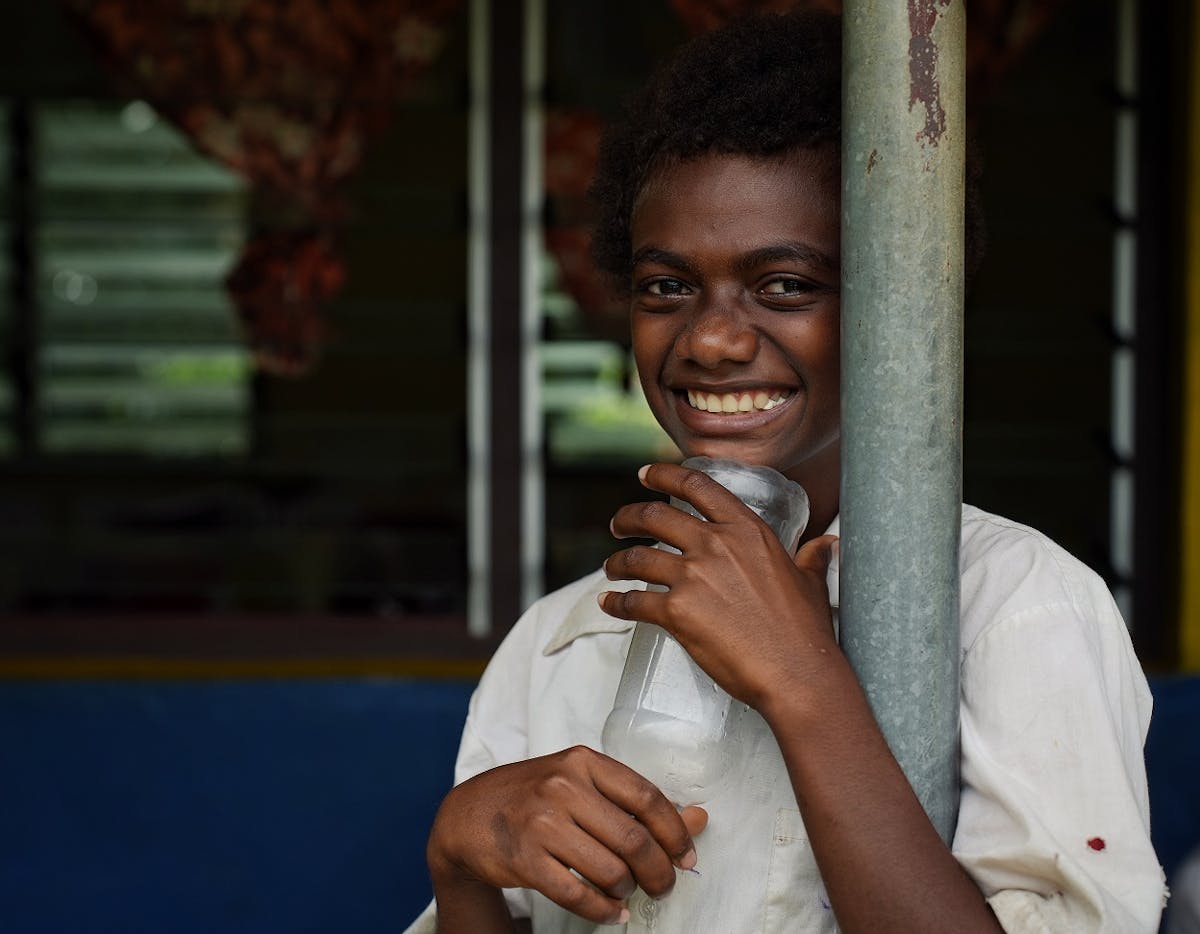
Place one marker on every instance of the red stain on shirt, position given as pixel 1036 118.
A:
pixel 1097 843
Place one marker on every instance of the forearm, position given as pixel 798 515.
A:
pixel 883 863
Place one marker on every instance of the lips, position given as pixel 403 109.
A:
pixel 731 413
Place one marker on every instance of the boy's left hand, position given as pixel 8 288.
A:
pixel 752 616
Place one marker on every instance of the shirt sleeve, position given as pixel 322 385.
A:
pixel 1054 817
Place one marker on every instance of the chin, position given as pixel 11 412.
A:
pixel 731 450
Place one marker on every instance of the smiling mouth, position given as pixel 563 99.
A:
pixel 732 403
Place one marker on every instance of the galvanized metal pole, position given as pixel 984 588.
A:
pixel 902 257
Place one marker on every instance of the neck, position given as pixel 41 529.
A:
pixel 821 479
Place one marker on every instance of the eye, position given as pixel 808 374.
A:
pixel 787 286
pixel 665 286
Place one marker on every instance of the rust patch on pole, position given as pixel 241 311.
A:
pixel 922 67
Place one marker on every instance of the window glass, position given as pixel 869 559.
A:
pixel 171 478
pixel 598 428
pixel 138 350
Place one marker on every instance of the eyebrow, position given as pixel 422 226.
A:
pixel 788 251
pixel 658 257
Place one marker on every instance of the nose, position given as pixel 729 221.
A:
pixel 717 332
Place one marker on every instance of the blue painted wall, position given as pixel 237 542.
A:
pixel 281 807
pixel 257 807
pixel 1173 764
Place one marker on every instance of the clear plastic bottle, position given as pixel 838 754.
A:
pixel 670 721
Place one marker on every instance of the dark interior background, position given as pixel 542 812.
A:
pixel 347 500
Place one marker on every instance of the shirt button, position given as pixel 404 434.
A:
pixel 643 912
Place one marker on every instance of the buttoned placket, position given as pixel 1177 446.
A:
pixel 643 913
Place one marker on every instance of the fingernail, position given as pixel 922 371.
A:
pixel 688 860
pixel 600 598
pixel 623 917
pixel 642 472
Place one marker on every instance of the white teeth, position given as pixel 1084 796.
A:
pixel 734 402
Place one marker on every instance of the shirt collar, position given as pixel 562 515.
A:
pixel 585 617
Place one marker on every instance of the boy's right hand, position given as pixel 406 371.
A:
pixel 530 823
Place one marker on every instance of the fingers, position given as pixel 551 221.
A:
pixel 606 875
pixel 597 864
pixel 711 500
pixel 643 563
pixel 676 527
pixel 815 555
pixel 563 887
pixel 578 826
pixel 629 837
pixel 655 519
pixel 636 605
pixel 655 828
pixel 635 847
pixel 695 818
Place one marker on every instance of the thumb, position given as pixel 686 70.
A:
pixel 695 818
pixel 814 556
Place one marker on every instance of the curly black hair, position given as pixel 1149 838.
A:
pixel 765 85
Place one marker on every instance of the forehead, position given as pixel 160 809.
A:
pixel 720 197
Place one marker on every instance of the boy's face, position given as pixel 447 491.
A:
pixel 736 306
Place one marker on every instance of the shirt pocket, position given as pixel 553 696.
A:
pixel 796 898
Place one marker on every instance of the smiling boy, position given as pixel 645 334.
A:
pixel 720 218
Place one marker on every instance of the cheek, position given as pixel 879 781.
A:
pixel 823 342
pixel 813 343
pixel 830 370
pixel 652 344
pixel 645 370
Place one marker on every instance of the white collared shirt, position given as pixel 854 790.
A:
pixel 1054 818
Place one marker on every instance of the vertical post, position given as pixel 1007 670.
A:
pixel 506 124
pixel 1189 513
pixel 533 198
pixel 502 481
pixel 1162 90
pixel 479 369
pixel 505 540
pixel 902 257
pixel 1125 419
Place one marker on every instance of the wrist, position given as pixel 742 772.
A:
pixel 443 864
pixel 813 695
pixel 466 904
